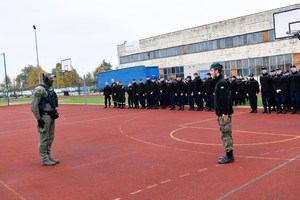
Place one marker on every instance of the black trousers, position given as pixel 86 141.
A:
pixel 107 99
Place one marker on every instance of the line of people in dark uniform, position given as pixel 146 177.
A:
pixel 155 94
pixel 280 92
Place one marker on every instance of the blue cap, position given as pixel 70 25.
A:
pixel 133 79
pixel 251 75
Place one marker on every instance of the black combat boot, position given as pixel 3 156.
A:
pixel 265 110
pixel 229 158
pixel 284 111
pixel 269 110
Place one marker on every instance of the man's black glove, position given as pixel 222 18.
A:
pixel 41 123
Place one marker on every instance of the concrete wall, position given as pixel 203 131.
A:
pixel 237 26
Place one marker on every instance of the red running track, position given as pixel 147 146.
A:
pixel 149 154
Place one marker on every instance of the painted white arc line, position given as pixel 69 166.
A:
pixel 136 192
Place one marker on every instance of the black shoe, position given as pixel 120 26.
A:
pixel 254 111
pixel 265 111
pixel 226 159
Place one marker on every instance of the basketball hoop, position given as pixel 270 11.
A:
pixel 66 65
pixel 294 33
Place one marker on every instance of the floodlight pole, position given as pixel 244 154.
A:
pixel 37 54
pixel 6 82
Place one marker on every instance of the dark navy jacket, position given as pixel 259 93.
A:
pixel 223 104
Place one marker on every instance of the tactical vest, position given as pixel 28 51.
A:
pixel 51 99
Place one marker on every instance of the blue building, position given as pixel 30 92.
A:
pixel 126 75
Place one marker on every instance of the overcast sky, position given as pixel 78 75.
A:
pixel 88 31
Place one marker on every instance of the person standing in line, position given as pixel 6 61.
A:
pixel 43 105
pixel 252 90
pixel 294 78
pixel 135 88
pixel 163 93
pixel 148 89
pixel 130 94
pixel 209 91
pixel 171 93
pixel 198 91
pixel 233 89
pixel 273 75
pixel 266 83
pixel 224 111
pixel 114 91
pixel 190 89
pixel 107 95
pixel 180 91
pixel 141 92
pixel 154 93
pixel 280 84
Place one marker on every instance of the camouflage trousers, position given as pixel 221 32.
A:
pixel 46 137
pixel 226 133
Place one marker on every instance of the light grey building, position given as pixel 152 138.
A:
pixel 243 45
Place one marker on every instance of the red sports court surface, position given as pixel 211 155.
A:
pixel 149 154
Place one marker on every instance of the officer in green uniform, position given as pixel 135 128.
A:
pixel 43 105
pixel 223 108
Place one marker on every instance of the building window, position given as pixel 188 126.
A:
pixel 271 35
pixel 229 42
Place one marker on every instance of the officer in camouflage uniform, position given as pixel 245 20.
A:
pixel 223 108
pixel 43 105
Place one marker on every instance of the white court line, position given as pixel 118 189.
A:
pixel 19 196
pixel 165 181
pixel 258 178
pixel 138 191
pixel 152 186
pixel 184 175
pixel 201 170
